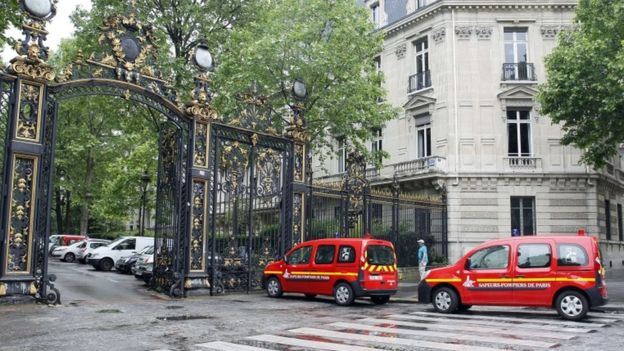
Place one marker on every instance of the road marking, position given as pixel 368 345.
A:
pixel 466 337
pixel 227 346
pixel 456 326
pixel 389 340
pixel 309 343
pixel 440 319
pixel 554 320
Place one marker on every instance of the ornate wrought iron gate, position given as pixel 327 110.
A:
pixel 352 208
pixel 249 192
pixel 231 191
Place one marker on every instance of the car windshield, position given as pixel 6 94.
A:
pixel 380 254
pixel 80 244
pixel 148 250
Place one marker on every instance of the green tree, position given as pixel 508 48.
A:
pixel 584 91
pixel 330 45
pixel 10 15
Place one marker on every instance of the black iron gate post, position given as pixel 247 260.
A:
pixel 23 236
pixel 297 131
pixel 200 272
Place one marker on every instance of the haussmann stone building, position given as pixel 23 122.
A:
pixel 465 74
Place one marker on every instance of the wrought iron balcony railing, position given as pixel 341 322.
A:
pixel 419 81
pixel 523 162
pixel 519 71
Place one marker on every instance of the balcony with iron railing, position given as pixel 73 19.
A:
pixel 417 167
pixel 522 163
pixel 419 81
pixel 520 71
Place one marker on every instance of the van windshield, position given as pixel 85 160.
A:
pixel 379 254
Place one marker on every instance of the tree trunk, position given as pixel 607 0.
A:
pixel 84 213
pixel 59 211
pixel 68 218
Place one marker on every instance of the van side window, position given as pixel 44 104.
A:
pixel 300 256
pixel 534 255
pixel 493 257
pixel 571 255
pixel 129 244
pixel 325 254
pixel 346 254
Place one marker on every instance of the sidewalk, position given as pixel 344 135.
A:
pixel 408 291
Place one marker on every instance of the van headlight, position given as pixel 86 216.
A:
pixel 94 255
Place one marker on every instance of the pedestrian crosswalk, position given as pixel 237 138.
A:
pixel 478 331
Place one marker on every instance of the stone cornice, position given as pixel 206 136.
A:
pixel 445 5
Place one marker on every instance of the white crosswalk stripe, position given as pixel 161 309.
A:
pixel 420 330
pixel 515 325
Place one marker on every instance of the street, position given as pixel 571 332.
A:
pixel 110 311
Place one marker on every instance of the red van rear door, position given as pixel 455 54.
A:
pixel 380 272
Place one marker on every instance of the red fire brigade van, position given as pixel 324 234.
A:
pixel 342 268
pixel 561 272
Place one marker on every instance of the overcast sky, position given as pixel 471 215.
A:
pixel 60 27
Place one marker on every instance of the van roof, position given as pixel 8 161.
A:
pixel 345 240
pixel 555 237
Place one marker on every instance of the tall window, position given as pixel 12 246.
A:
pixel 422 78
pixel 421 3
pixel 519 132
pixel 516 43
pixel 608 218
pixel 377 64
pixel 376 14
pixel 424 140
pixel 522 215
pixel 377 144
pixel 342 154
pixel 620 226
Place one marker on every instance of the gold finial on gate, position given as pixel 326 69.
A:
pixel 32 53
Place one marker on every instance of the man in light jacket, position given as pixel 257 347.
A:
pixel 423 259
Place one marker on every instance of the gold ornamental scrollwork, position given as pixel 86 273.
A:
pixel 200 107
pixel 3 289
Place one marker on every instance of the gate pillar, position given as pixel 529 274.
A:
pixel 197 280
pixel 302 179
pixel 25 177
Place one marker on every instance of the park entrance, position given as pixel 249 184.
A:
pixel 224 204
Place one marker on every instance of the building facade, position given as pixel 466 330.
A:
pixel 465 75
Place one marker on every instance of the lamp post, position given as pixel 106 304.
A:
pixel 145 179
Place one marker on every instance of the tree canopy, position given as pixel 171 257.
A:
pixel 584 91
pixel 330 45
pixel 10 15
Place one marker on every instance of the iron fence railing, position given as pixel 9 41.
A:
pixel 419 81
pixel 519 71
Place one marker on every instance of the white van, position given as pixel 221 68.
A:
pixel 104 258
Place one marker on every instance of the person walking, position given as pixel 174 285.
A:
pixel 423 259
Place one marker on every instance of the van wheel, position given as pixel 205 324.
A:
pixel 70 257
pixel 274 287
pixel 106 264
pixel 343 294
pixel 380 300
pixel 445 300
pixel 571 305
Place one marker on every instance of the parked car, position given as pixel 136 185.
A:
pixel 90 245
pixel 125 264
pixel 143 269
pixel 104 257
pixel 63 240
pixel 342 268
pixel 560 272
pixel 67 253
